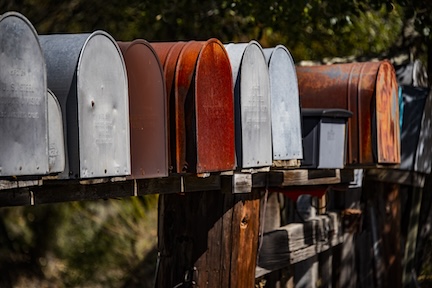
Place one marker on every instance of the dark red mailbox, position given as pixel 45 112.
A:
pixel 147 110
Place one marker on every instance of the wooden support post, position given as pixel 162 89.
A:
pixel 208 239
pixel 384 218
pixel 410 245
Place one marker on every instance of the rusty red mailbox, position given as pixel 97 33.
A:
pixel 369 90
pixel 147 110
pixel 198 78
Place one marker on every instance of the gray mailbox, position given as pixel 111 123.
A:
pixel 23 99
pixel 56 150
pixel 87 74
pixel 324 138
pixel 252 104
pixel 285 105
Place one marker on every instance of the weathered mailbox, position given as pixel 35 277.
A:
pixel 369 90
pixel 56 150
pixel 285 107
pixel 201 107
pixel 87 74
pixel 147 110
pixel 23 99
pixel 324 138
pixel 250 76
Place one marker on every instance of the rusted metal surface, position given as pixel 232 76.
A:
pixel 23 99
pixel 369 91
pixel 87 74
pixel 147 110
pixel 252 104
pixel 285 105
pixel 55 135
pixel 214 102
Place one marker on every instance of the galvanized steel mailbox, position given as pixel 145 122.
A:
pixel 23 99
pixel 87 74
pixel 250 76
pixel 147 110
pixel 285 105
pixel 369 90
pixel 55 135
pixel 324 138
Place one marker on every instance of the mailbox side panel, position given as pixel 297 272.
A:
pixel 23 99
pixel 55 135
pixel 103 113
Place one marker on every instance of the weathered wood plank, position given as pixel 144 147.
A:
pixel 16 197
pixel 12 184
pixel 280 178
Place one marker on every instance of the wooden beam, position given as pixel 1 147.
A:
pixel 394 176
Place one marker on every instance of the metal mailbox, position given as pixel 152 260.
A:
pixel 23 99
pixel 324 138
pixel 56 150
pixel 285 105
pixel 201 107
pixel 250 76
pixel 87 74
pixel 147 110
pixel 369 90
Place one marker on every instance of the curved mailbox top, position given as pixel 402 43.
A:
pixel 252 104
pixel 203 109
pixel 55 135
pixel 328 113
pixel 214 102
pixel 285 105
pixel 369 91
pixel 23 99
pixel 87 74
pixel 147 110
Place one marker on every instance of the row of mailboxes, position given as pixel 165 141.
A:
pixel 147 109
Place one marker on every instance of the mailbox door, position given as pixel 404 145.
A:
pixel 214 102
pixel 332 143
pixel 103 109
pixel 55 135
pixel 147 110
pixel 255 108
pixel 285 105
pixel 23 99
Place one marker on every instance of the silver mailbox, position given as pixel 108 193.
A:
pixel 252 104
pixel 285 105
pixel 23 99
pixel 87 74
pixel 56 150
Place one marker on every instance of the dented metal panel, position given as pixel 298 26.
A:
pixel 369 91
pixel 147 110
pixel 285 105
pixel 252 104
pixel 214 102
pixel 87 74
pixel 23 99
pixel 55 135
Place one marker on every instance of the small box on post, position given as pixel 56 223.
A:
pixel 285 108
pixel 147 110
pixel 87 74
pixel 23 99
pixel 250 76
pixel 324 138
pixel 369 90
